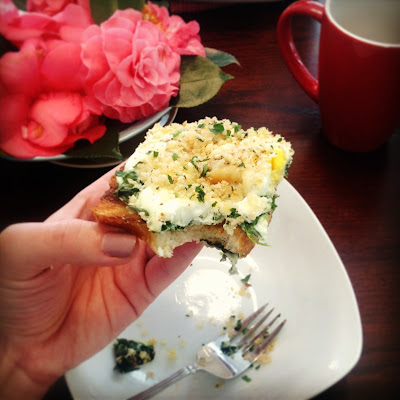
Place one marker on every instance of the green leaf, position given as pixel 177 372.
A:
pixel 217 129
pixel 106 146
pixel 20 4
pixel 201 80
pixel 103 9
pixel 135 4
pixel 220 57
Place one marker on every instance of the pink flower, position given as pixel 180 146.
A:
pixel 132 70
pixel 18 26
pixel 52 7
pixel 44 107
pixel 182 37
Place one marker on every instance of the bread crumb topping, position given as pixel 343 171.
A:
pixel 206 172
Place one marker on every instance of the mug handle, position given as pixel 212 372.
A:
pixel 296 66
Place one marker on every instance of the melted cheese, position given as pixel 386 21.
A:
pixel 207 172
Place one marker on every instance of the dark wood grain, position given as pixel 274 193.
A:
pixel 355 196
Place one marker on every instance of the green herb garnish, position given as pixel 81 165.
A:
pixel 204 172
pixel 176 133
pixel 170 180
pixel 169 226
pixel 251 231
pixel 234 213
pixel 273 204
pixel 126 189
pixel 227 349
pixel 238 325
pixel 217 128
pixel 175 156
pixel 155 154
pixel 246 279
pixel 130 354
pixel 200 193
pixel 246 378
pixel 194 163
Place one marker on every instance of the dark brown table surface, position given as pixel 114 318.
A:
pixel 355 196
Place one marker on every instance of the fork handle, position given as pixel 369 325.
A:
pixel 160 386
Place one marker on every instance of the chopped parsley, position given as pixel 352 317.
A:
pixel 130 354
pixel 273 204
pixel 234 213
pixel 155 154
pixel 237 128
pixel 217 128
pixel 175 156
pixel 251 231
pixel 233 270
pixel 169 226
pixel 201 126
pixel 246 378
pixel 200 193
pixel 194 163
pixel 170 180
pixel 126 189
pixel 238 325
pixel 246 279
pixel 176 133
pixel 228 349
pixel 204 172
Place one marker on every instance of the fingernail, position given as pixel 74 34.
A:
pixel 118 244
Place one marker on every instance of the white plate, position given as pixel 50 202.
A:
pixel 300 274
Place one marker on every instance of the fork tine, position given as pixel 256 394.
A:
pixel 262 333
pixel 259 349
pixel 248 320
pixel 254 328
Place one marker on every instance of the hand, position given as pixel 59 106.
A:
pixel 69 286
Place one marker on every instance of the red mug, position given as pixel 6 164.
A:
pixel 358 85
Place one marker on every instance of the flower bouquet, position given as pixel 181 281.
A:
pixel 73 73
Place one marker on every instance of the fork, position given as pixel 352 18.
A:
pixel 229 355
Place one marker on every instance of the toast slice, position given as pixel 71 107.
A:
pixel 112 211
pixel 208 181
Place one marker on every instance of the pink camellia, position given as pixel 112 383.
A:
pixel 132 70
pixel 18 26
pixel 52 7
pixel 43 106
pixel 182 37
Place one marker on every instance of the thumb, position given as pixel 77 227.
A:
pixel 36 246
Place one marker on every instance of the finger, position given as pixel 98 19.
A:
pixel 80 206
pixel 31 247
pixel 161 272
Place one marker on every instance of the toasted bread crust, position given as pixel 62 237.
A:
pixel 112 211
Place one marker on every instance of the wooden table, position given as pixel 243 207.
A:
pixel 355 196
